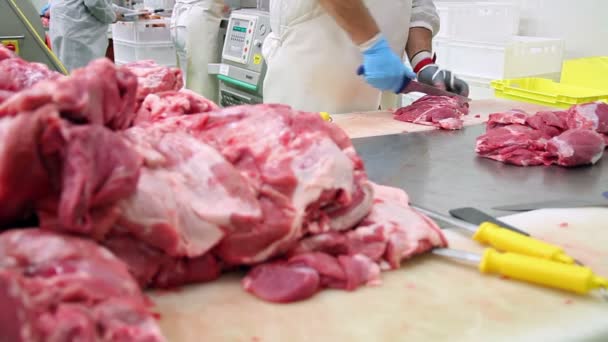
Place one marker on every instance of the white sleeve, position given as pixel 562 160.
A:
pixel 424 14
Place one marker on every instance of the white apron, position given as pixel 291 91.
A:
pixel 195 26
pixel 312 62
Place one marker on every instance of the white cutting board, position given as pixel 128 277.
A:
pixel 428 299
pixel 360 125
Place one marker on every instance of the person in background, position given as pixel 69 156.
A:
pixel 195 26
pixel 79 30
pixel 317 46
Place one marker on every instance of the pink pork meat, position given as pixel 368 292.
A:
pixel 566 138
pixel 576 147
pixel 305 172
pixel 72 175
pixel 172 103
pixel 153 78
pixel 513 144
pixel 440 111
pixel 59 288
pixel 391 233
pixel 99 93
pixel 17 74
pixel 188 196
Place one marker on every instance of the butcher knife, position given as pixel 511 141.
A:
pixel 478 217
pixel 410 86
pixel 553 205
pixel 573 278
pixel 504 239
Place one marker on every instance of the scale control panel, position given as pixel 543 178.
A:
pixel 244 38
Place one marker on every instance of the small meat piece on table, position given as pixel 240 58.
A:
pixel 513 116
pixel 576 147
pixel 440 111
pixel 391 233
pixel 513 144
pixel 60 288
pixel 569 138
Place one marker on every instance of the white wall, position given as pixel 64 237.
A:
pixel 583 24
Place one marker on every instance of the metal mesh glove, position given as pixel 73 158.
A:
pixel 443 79
pixel 429 73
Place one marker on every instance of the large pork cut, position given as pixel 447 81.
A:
pixel 59 288
pixel 440 111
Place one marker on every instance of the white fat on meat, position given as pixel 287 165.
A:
pixel 185 197
pixel 404 227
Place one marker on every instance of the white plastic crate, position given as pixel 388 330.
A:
pixel 159 4
pixel 143 31
pixel 519 57
pixel 478 21
pixel 161 53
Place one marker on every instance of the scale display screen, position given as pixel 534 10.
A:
pixel 238 39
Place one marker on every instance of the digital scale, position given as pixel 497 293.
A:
pixel 21 31
pixel 242 68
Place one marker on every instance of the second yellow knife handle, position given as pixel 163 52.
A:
pixel 541 271
pixel 509 241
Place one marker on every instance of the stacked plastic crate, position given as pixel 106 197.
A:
pixel 143 39
pixel 478 41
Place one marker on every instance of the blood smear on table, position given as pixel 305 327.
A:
pixel 563 224
pixel 478 116
pixel 568 301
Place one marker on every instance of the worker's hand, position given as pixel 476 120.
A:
pixel 119 17
pixel 382 68
pixel 443 79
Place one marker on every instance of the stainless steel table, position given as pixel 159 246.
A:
pixel 440 171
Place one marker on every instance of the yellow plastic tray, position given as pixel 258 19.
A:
pixel 546 92
pixel 589 72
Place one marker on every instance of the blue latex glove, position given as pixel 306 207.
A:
pixel 44 9
pixel 383 69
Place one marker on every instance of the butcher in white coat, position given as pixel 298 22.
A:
pixel 195 27
pixel 316 47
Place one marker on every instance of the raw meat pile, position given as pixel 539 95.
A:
pixel 569 138
pixel 60 288
pixel 17 74
pixel 440 111
pixel 175 190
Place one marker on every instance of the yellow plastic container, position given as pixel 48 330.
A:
pixel 546 92
pixel 586 72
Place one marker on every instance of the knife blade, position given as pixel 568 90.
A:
pixel 415 86
pixel 410 85
pixel 478 217
pixel 557 204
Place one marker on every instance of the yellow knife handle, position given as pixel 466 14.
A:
pixel 549 273
pixel 506 240
pixel 325 116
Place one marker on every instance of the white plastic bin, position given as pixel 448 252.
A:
pixel 159 4
pixel 143 31
pixel 519 57
pixel 478 21
pixel 161 53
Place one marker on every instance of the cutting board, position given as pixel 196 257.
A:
pixel 428 299
pixel 360 125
